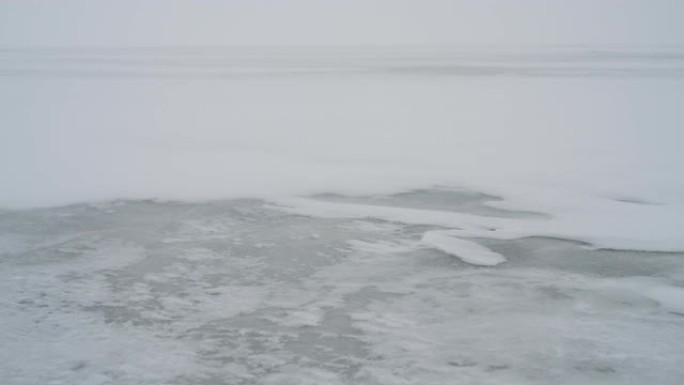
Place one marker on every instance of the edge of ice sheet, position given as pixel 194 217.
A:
pixel 609 226
pixel 467 251
pixel 669 297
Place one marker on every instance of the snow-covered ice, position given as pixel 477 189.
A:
pixel 316 216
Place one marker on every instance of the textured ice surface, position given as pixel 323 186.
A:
pixel 237 292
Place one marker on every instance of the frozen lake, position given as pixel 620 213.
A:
pixel 220 216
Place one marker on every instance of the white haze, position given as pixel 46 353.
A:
pixel 548 104
pixel 556 130
pixel 211 125
pixel 335 22
pixel 172 125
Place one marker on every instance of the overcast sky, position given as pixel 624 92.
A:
pixel 277 22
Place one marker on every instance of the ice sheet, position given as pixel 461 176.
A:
pixel 237 292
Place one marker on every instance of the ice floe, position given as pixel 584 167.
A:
pixel 467 251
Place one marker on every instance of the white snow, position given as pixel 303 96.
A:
pixel 600 153
pixel 602 224
pixel 467 251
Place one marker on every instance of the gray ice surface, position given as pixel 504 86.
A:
pixel 238 292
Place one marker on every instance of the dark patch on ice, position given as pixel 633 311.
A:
pixel 79 365
pixel 441 199
pixel 462 363
pixel 593 367
pixel 554 293
pixel 636 201
pixel 496 368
